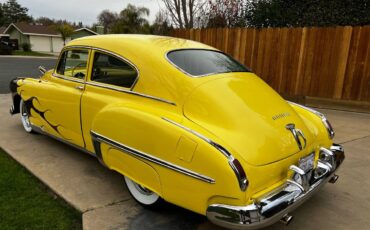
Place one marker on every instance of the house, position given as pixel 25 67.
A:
pixel 41 38
pixel 82 32
pixel 2 32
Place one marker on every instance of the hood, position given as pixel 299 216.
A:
pixel 248 116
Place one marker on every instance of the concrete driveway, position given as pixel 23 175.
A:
pixel 101 196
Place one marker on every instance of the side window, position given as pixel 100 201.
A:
pixel 73 63
pixel 111 70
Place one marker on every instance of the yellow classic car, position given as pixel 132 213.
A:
pixel 184 123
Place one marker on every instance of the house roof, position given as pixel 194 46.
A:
pixel 29 29
pixel 2 30
pixel 87 29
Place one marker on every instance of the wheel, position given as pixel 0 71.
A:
pixel 143 196
pixel 25 117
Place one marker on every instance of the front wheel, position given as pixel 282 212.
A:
pixel 25 118
pixel 142 195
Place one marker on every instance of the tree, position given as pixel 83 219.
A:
pixel 225 13
pixel 45 21
pixel 184 13
pixel 107 19
pixel 65 30
pixel 293 13
pixel 1 15
pixel 131 20
pixel 14 12
pixel 161 25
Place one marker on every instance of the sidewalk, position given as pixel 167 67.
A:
pixel 101 196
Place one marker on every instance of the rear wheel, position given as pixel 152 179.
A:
pixel 25 118
pixel 142 195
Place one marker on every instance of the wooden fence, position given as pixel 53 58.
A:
pixel 329 62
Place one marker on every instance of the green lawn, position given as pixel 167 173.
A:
pixel 30 53
pixel 25 203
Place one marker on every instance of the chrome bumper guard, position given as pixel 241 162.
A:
pixel 277 204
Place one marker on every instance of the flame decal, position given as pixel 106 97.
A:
pixel 29 104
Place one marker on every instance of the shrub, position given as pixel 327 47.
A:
pixel 26 47
pixel 5 49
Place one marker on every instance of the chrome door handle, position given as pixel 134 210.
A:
pixel 80 87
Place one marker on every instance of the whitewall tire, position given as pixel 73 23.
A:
pixel 25 118
pixel 142 195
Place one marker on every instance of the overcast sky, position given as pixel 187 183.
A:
pixel 85 11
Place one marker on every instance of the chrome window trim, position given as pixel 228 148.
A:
pixel 122 59
pixel 56 74
pixel 77 80
pixel 119 89
pixel 107 52
pixel 202 75
pixel 112 87
pixel 243 182
pixel 139 154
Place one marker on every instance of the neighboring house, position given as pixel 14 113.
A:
pixel 83 32
pixel 41 38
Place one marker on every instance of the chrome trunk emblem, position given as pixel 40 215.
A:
pixel 297 134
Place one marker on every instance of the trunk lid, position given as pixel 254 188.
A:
pixel 248 116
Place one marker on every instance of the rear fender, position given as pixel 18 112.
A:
pixel 142 129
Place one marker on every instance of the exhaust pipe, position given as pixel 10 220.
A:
pixel 286 219
pixel 334 179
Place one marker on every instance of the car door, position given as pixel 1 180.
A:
pixel 111 81
pixel 61 96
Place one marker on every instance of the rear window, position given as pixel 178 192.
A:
pixel 204 62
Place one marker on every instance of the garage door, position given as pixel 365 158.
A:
pixel 57 44
pixel 40 43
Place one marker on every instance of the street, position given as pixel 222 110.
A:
pixel 11 67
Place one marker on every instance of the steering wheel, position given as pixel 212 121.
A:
pixel 79 74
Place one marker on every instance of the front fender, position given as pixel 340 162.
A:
pixel 16 98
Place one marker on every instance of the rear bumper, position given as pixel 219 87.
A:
pixel 274 206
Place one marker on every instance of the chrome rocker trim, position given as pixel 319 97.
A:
pixel 276 205
pixel 136 153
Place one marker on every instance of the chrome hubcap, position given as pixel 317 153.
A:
pixel 25 117
pixel 143 190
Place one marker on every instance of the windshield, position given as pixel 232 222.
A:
pixel 198 62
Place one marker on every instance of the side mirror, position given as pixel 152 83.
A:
pixel 42 70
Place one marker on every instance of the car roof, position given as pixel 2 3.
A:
pixel 157 76
pixel 136 43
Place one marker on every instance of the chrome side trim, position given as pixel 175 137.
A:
pixel 324 120
pixel 129 92
pixel 137 153
pixel 233 162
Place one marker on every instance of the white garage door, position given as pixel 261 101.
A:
pixel 57 44
pixel 40 43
